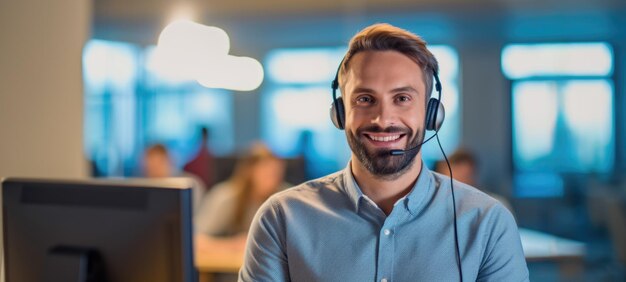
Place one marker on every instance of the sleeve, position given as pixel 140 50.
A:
pixel 265 257
pixel 504 257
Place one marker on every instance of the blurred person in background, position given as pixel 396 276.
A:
pixel 464 167
pixel 201 165
pixel 226 212
pixel 157 164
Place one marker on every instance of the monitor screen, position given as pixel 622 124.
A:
pixel 97 230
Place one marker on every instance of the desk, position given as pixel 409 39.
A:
pixel 209 263
pixel 544 247
pixel 538 247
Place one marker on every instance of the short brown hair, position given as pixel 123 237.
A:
pixel 460 156
pixel 463 155
pixel 158 148
pixel 385 37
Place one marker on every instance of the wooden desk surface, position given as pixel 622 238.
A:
pixel 219 262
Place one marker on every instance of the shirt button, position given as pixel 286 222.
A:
pixel 387 232
pixel 383 280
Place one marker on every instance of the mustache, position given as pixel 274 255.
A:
pixel 378 129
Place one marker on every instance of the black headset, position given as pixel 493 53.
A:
pixel 435 115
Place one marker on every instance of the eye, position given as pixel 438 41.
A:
pixel 403 98
pixel 364 99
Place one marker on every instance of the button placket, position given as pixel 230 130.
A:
pixel 386 251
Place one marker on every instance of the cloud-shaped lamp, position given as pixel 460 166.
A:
pixel 188 50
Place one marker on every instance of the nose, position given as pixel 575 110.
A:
pixel 384 115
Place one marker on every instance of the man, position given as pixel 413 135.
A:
pixel 384 217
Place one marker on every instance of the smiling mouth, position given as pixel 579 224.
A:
pixel 386 138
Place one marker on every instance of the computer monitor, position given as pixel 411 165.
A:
pixel 97 230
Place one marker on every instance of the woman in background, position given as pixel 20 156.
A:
pixel 227 211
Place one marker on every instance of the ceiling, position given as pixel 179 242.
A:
pixel 141 20
pixel 153 9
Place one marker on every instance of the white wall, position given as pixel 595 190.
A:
pixel 41 105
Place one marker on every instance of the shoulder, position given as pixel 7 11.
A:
pixel 309 189
pixel 321 192
pixel 471 200
pixel 464 193
pixel 221 192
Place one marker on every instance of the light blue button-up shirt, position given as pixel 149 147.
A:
pixel 328 230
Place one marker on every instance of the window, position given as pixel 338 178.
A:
pixel 562 107
pixel 128 106
pixel 522 61
pixel 110 75
pixel 174 110
pixel 295 106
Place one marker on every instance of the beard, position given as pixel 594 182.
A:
pixel 380 162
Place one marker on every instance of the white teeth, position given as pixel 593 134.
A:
pixel 385 138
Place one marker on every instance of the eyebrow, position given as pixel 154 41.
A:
pixel 405 89
pixel 363 90
pixel 395 90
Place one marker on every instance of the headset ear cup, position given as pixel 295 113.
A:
pixel 441 115
pixel 435 114
pixel 333 115
pixel 337 113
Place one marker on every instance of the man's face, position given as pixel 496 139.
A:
pixel 385 108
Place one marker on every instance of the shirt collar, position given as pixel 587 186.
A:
pixel 412 201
